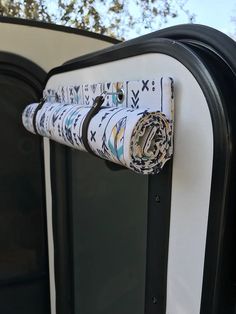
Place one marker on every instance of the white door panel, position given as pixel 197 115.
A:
pixel 192 168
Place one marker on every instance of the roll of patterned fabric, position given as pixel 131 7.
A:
pixel 138 139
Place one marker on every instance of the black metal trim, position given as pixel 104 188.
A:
pixel 158 224
pixel 58 28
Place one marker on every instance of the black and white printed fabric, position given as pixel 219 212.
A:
pixel 137 137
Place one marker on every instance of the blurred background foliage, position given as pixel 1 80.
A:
pixel 116 18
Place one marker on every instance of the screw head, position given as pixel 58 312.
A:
pixel 154 300
pixel 157 199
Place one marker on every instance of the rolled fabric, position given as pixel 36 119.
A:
pixel 138 139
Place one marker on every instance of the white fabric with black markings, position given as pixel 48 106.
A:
pixel 137 137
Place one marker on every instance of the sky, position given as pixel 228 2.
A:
pixel 214 13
